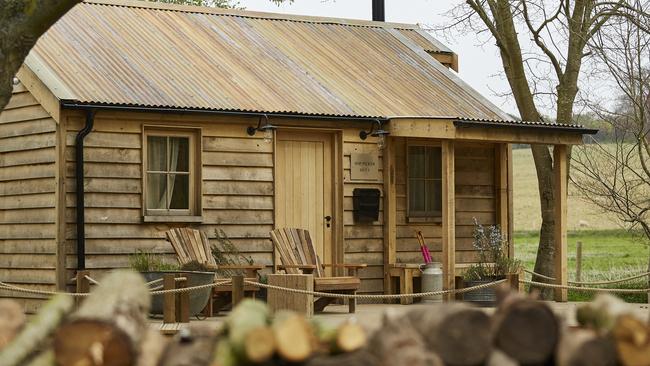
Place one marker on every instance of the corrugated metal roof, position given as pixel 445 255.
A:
pixel 150 54
pixel 518 123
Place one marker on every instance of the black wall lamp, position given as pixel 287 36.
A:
pixel 376 130
pixel 267 129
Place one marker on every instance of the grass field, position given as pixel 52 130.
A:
pixel 526 201
pixel 608 251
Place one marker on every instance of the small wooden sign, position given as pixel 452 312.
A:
pixel 364 166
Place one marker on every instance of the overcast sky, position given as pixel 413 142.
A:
pixel 479 65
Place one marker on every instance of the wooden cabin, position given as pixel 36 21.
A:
pixel 129 118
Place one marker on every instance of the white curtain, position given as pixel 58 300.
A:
pixel 174 149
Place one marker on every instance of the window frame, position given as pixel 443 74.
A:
pixel 421 216
pixel 194 213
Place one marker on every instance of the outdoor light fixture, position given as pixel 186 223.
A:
pixel 377 131
pixel 267 129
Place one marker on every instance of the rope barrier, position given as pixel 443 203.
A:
pixel 588 289
pixel 626 279
pixel 150 283
pixel 154 292
pixel 91 280
pixel 395 296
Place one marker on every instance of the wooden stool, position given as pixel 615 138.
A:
pixel 405 272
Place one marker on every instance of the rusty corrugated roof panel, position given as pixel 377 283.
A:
pixel 144 54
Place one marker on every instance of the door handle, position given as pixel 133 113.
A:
pixel 328 220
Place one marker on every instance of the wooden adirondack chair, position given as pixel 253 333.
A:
pixel 193 245
pixel 298 255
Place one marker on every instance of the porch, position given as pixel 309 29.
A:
pixel 451 136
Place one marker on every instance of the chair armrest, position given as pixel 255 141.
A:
pixel 305 268
pixel 250 269
pixel 346 265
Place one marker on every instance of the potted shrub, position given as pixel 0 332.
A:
pixel 493 264
pixel 153 267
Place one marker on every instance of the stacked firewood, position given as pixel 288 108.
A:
pixel 110 328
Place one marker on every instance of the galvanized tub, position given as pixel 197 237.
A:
pixel 198 298
pixel 482 297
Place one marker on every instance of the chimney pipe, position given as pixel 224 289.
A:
pixel 378 13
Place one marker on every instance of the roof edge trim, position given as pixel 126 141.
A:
pixel 76 105
pixel 528 125
pixel 250 14
pixel 51 81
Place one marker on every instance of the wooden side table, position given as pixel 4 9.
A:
pixel 405 272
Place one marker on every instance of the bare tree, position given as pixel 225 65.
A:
pixel 616 176
pixel 546 72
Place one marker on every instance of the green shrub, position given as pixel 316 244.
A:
pixel 143 261
pixel 493 260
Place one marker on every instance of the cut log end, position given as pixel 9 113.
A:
pixel 259 345
pixel 632 339
pixel 527 331
pixel 350 337
pixel 293 336
pixel 92 343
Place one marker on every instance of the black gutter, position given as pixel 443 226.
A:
pixel 548 127
pixel 79 175
pixel 127 108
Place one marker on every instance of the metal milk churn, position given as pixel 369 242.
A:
pixel 431 280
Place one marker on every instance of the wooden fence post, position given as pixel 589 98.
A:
pixel 83 285
pixel 237 289
pixel 169 300
pixel 578 262
pixel 513 281
pixel 183 301
pixel 458 280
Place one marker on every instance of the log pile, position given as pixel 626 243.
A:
pixel 110 328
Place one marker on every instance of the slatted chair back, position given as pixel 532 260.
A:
pixel 191 245
pixel 295 247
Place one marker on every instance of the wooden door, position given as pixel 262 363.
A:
pixel 303 186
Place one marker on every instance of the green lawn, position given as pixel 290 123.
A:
pixel 606 255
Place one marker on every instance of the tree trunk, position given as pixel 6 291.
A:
pixel 22 23
pixel 545 263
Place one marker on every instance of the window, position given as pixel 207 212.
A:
pixel 424 181
pixel 170 178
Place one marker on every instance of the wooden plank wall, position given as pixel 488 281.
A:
pixel 475 198
pixel 363 242
pixel 27 197
pixel 237 189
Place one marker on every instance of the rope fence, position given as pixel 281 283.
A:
pixel 597 283
pixel 159 290
pixel 587 289
pixel 370 296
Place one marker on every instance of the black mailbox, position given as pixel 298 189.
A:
pixel 365 204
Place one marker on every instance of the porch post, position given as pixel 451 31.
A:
pixel 448 217
pixel 502 190
pixel 560 236
pixel 389 211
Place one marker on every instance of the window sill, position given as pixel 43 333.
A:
pixel 424 219
pixel 173 218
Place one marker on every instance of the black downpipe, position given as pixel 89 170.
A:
pixel 378 11
pixel 79 175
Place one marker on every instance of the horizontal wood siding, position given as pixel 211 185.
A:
pixel 363 242
pixel 237 187
pixel 475 198
pixel 27 197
